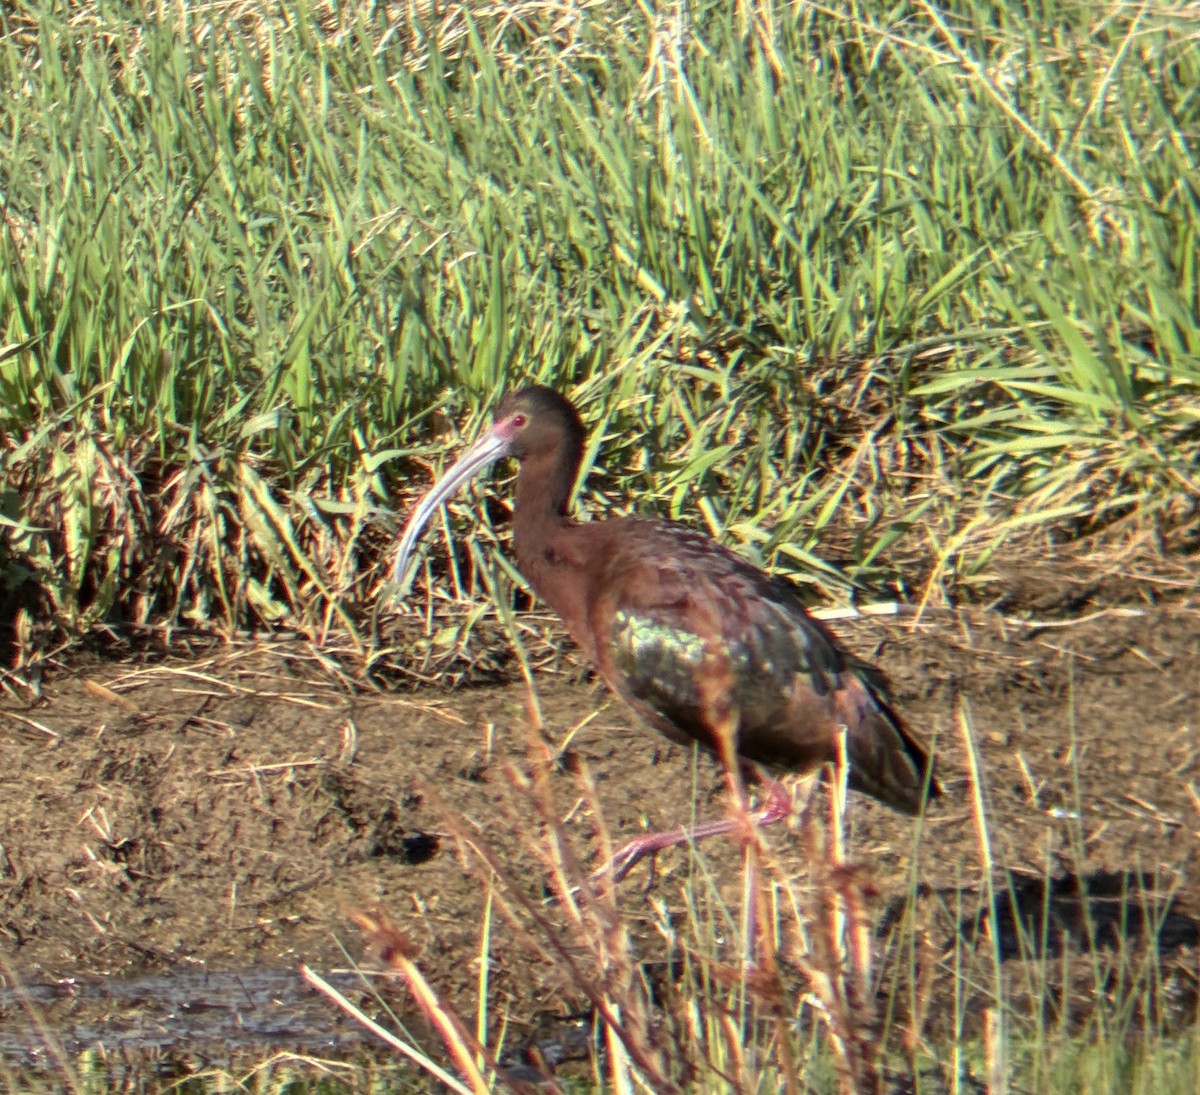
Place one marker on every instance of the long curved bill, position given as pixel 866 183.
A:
pixel 487 450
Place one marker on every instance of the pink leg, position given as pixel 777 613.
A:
pixel 777 807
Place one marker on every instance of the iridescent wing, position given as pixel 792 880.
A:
pixel 701 642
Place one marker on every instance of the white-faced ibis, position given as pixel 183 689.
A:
pixel 697 640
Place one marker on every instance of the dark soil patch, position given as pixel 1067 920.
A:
pixel 221 813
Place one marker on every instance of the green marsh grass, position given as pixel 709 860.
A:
pixel 883 295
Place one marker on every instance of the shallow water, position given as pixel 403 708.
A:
pixel 230 1010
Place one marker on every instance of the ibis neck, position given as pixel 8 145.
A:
pixel 554 553
pixel 543 492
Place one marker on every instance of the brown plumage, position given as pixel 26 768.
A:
pixel 696 639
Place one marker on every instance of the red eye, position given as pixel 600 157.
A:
pixel 518 420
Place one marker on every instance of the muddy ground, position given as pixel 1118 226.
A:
pixel 177 836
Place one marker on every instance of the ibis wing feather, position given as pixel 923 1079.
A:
pixel 688 633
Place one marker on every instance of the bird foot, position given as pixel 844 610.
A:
pixel 651 844
pixel 777 807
